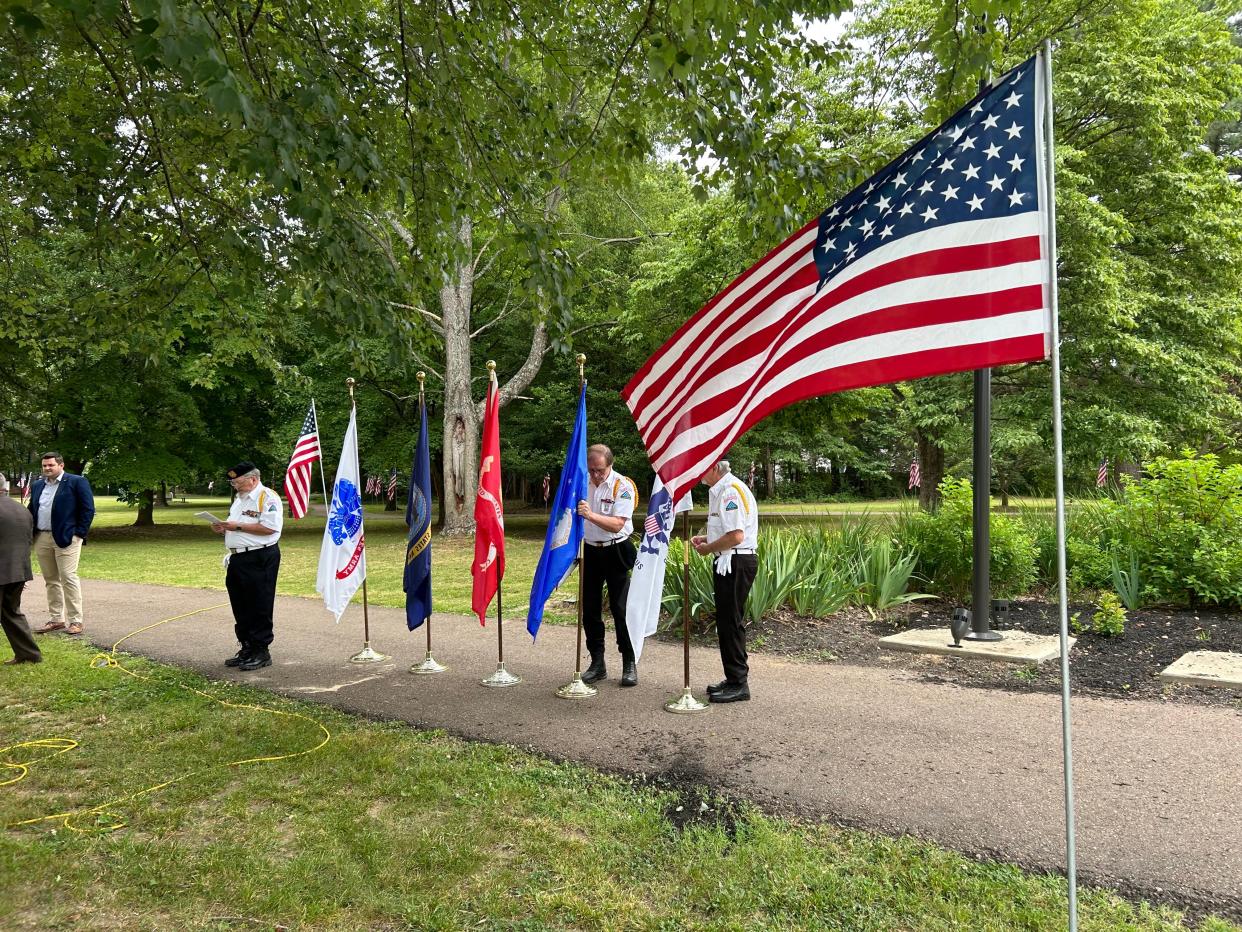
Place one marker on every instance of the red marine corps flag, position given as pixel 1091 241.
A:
pixel 937 263
pixel 489 514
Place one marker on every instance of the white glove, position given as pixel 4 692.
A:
pixel 724 562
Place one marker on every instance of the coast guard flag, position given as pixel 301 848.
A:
pixel 488 568
pixel 565 525
pixel 417 582
pixel 642 604
pixel 937 263
pixel 342 558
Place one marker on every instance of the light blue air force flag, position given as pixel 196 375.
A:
pixel 642 604
pixel 565 525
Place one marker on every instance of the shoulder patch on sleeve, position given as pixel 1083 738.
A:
pixel 731 506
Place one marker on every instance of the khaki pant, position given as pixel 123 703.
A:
pixel 59 566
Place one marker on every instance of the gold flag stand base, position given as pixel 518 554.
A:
pixel 576 689
pixel 428 666
pixel 368 655
pixel 502 677
pixel 686 704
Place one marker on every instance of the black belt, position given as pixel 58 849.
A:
pixel 606 543
pixel 248 549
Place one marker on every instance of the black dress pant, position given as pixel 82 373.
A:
pixel 251 582
pixel 731 591
pixel 14 622
pixel 606 566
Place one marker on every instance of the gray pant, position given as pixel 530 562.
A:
pixel 14 622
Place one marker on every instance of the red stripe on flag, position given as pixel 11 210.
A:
pixel 948 261
pixel 759 268
pixel 870 372
pixel 885 320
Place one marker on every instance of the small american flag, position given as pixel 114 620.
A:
pixel 937 263
pixel 916 475
pixel 547 487
pixel 750 480
pixel 392 486
pixel 652 526
pixel 298 475
pixel 1101 475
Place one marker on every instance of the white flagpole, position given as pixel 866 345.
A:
pixel 1071 869
pixel 323 479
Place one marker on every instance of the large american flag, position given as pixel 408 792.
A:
pixel 937 263
pixel 298 475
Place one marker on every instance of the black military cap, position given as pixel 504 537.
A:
pixel 242 468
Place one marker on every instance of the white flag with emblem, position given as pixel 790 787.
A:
pixel 342 558
pixel 642 604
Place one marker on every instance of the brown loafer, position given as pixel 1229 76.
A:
pixel 74 628
pixel 50 627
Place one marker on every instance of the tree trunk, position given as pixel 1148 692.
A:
pixel 163 497
pixel 769 470
pixel 146 509
pixel 461 423
pixel 931 472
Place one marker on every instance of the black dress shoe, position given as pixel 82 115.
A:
pixel 733 692
pixel 14 661
pixel 629 673
pixel 256 661
pixel 239 658
pixel 717 687
pixel 597 671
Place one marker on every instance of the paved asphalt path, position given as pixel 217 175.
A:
pixel 1158 804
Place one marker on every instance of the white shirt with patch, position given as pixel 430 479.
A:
pixel 615 497
pixel 260 505
pixel 731 506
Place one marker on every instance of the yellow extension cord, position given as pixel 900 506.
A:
pixel 61 745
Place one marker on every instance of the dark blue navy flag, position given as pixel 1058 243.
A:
pixel 565 525
pixel 417 583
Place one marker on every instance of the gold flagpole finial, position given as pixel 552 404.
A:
pixel 581 367
pixel 351 382
pixel 422 378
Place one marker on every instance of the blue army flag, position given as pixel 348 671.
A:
pixel 565 525
pixel 417 582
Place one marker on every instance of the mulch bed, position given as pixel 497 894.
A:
pixel 1122 667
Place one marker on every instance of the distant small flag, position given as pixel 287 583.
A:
pixel 1101 476
pixel 392 486
pixel 916 475
pixel 750 480
pixel 547 487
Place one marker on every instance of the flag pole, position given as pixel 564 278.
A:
pixel 1071 867
pixel 323 478
pixel 685 703
pixel 501 677
pixel 367 654
pixel 575 688
pixel 428 664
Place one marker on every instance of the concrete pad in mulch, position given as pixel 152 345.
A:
pixel 1206 668
pixel 1016 647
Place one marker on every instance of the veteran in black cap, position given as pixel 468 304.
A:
pixel 251 535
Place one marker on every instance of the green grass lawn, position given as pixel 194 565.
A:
pixel 392 828
pixel 181 550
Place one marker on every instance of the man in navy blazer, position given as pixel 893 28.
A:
pixel 63 508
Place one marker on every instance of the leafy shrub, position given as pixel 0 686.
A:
pixel 1110 619
pixel 943 541
pixel 1128 582
pixel 1174 535
pixel 702 594
pixel 780 572
pixel 829 579
pixel 884 573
